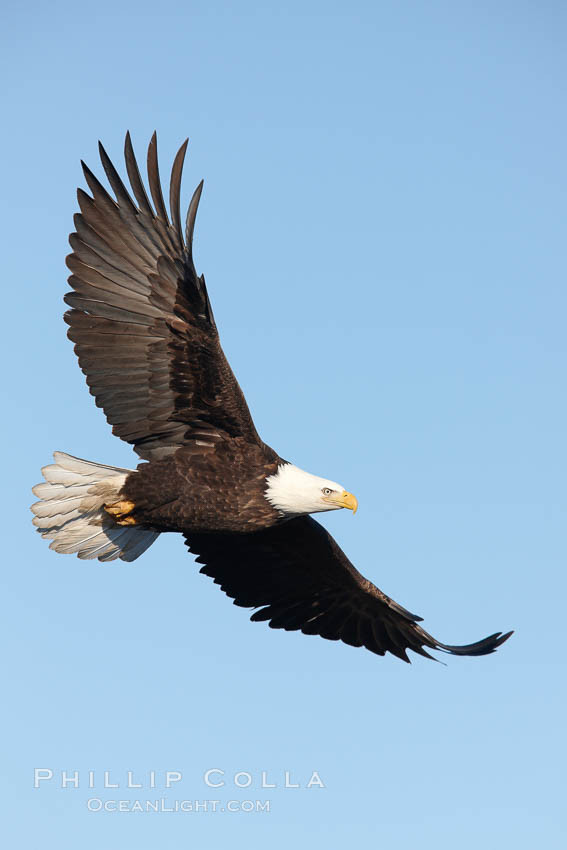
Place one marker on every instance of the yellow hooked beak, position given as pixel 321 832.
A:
pixel 344 500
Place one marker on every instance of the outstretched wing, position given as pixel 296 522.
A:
pixel 141 320
pixel 299 578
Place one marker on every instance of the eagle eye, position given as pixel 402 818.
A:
pixel 327 491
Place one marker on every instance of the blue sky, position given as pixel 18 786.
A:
pixel 383 235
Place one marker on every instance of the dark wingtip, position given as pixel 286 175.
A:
pixel 92 182
pixel 152 146
pixel 481 647
pixel 154 180
pixel 192 215
pixel 128 143
pixel 175 190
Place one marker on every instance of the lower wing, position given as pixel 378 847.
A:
pixel 300 579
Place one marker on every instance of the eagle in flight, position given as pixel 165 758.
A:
pixel 146 339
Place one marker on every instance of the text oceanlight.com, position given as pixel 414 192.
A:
pixel 96 804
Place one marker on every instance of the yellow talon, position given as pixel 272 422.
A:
pixel 120 511
pixel 128 520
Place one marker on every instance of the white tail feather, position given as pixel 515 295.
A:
pixel 71 512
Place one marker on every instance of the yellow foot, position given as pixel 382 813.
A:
pixel 128 520
pixel 120 511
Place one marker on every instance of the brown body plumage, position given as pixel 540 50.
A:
pixel 219 489
pixel 146 339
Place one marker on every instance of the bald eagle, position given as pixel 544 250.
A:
pixel 147 342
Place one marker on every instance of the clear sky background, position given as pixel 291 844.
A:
pixel 383 235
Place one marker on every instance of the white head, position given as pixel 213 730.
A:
pixel 293 492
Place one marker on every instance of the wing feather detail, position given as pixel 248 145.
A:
pixel 298 578
pixel 141 318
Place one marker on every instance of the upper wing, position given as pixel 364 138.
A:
pixel 141 321
pixel 300 579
